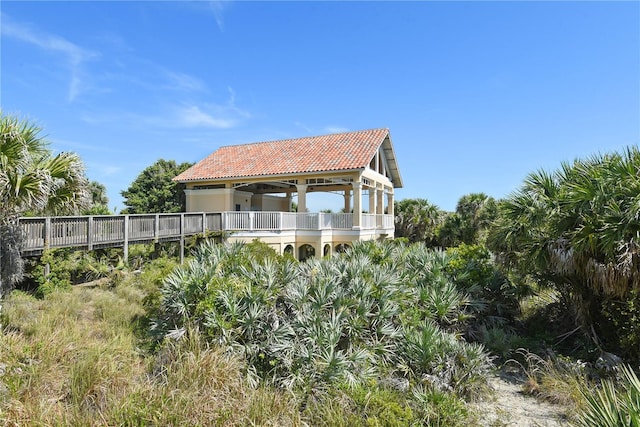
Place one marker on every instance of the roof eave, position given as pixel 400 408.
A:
pixel 250 177
pixel 390 154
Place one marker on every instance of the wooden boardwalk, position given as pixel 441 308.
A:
pixel 94 232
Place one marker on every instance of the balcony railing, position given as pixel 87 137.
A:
pixel 116 230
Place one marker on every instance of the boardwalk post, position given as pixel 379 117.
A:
pixel 90 233
pixel 181 238
pixel 156 235
pixel 47 243
pixel 126 238
pixel 156 228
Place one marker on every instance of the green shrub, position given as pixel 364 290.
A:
pixel 624 317
pixel 382 407
pixel 439 409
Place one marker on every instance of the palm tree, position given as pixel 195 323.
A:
pixel 32 181
pixel 468 224
pixel 578 229
pixel 417 220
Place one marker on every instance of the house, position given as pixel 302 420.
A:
pixel 253 185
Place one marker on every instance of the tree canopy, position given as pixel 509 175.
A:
pixel 417 220
pixel 153 191
pixel 469 223
pixel 32 178
pixel 99 200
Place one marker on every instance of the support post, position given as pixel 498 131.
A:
pixel 47 232
pixel 302 197
pixel 90 233
pixel 181 238
pixel 156 228
pixel 372 200
pixel 390 208
pixel 47 243
pixel 229 198
pixel 126 238
pixel 357 204
pixel 347 201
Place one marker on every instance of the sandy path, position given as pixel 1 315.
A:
pixel 509 407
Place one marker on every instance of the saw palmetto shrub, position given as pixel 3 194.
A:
pixel 374 315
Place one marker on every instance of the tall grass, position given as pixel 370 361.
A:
pixel 72 358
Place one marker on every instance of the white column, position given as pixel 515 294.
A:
pixel 188 202
pixel 357 204
pixel 228 200
pixel 302 197
pixel 347 201
pixel 390 203
pixel 380 202
pixel 372 200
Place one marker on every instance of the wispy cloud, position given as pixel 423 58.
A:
pixel 73 54
pixel 215 116
pixel 318 130
pixel 335 129
pixel 303 126
pixel 72 145
pixel 178 116
pixel 184 82
pixel 105 169
pixel 218 7
pixel 194 116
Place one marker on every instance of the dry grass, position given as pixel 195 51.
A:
pixel 72 359
pixel 555 380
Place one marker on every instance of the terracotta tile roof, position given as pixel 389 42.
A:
pixel 335 152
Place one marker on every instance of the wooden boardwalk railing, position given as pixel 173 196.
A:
pixel 93 232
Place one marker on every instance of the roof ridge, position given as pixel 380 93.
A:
pixel 301 137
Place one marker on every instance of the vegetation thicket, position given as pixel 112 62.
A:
pixel 419 220
pixel 577 230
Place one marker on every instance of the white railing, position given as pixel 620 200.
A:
pixel 266 220
pixel 388 222
pixel 368 222
pixel 115 230
pixel 340 221
pixel 289 220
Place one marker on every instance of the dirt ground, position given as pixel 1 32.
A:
pixel 510 407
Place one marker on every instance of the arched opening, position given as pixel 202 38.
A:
pixel 306 251
pixel 288 250
pixel 326 250
pixel 342 248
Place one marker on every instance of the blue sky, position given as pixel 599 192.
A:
pixel 476 94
